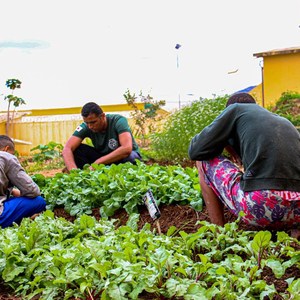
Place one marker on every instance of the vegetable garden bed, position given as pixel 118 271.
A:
pixel 64 256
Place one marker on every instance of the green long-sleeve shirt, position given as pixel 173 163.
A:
pixel 268 145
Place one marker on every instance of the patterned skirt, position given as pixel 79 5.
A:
pixel 263 208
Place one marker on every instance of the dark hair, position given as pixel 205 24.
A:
pixel 6 141
pixel 91 108
pixel 240 98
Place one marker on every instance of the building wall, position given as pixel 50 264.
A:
pixel 281 74
pixel 57 125
pixel 38 133
pixel 2 128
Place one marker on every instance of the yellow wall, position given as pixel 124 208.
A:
pixel 57 130
pixel 281 74
pixel 42 133
pixel 2 128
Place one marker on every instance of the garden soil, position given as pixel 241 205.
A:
pixel 183 217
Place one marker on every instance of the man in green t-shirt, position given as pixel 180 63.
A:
pixel 111 137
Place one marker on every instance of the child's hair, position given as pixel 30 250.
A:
pixel 6 141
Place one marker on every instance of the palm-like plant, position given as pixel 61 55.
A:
pixel 12 84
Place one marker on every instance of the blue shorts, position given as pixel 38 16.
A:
pixel 17 208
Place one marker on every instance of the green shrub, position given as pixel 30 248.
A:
pixel 47 152
pixel 173 141
pixel 44 157
pixel 288 106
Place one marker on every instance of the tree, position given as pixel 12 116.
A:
pixel 146 117
pixel 12 84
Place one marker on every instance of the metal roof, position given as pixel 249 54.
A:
pixel 15 115
pixel 278 52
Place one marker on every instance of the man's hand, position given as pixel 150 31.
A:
pixel 67 153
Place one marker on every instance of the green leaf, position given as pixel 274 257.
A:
pixel 171 230
pixel 195 292
pixel 11 273
pixel 294 289
pixel 84 285
pixel 221 271
pixel 276 267
pixel 118 292
pixel 261 240
pixel 132 221
pixel 87 222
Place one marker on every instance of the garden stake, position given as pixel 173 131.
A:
pixel 158 226
pixel 152 208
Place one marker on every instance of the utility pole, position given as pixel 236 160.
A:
pixel 177 46
pixel 261 64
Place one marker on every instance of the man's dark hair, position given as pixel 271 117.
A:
pixel 240 98
pixel 6 141
pixel 91 108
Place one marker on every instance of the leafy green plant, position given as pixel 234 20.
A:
pixel 50 151
pixel 45 157
pixel 173 141
pixel 112 187
pixel 259 245
pixel 288 106
pixel 51 258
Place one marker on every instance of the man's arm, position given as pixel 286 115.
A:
pixel 212 140
pixel 121 152
pixel 71 145
pixel 234 157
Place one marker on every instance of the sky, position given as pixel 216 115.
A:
pixel 69 52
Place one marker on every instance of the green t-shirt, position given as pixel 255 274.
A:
pixel 108 141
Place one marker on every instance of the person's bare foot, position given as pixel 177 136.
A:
pixel 295 233
pixel 65 170
pixel 34 216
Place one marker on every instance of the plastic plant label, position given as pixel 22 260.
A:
pixel 151 205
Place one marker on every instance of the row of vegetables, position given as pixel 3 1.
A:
pixel 52 258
